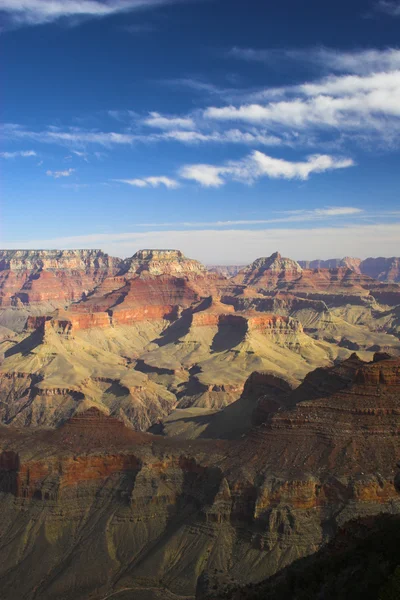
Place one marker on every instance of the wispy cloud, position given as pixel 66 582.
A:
pixel 58 174
pixel 390 7
pixel 328 59
pixel 231 136
pixel 20 153
pixel 81 138
pixel 352 103
pixel 150 182
pixel 36 12
pixel 290 216
pixel 72 137
pixel 258 165
pixel 163 122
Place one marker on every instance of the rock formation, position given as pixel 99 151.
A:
pixel 382 269
pixel 161 262
pixel 58 276
pixel 225 270
pixel 333 263
pixel 269 272
pixel 143 345
pixel 95 509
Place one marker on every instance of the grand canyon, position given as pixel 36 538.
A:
pixel 173 432
pixel 199 300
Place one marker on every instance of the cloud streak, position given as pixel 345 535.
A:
pixel 58 174
pixel 258 165
pixel 80 138
pixel 327 59
pixel 162 122
pixel 19 153
pixel 153 182
pixel 37 12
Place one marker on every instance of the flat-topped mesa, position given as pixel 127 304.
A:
pixel 55 276
pixel 383 269
pixel 79 260
pixel 161 262
pixel 269 271
pixel 333 263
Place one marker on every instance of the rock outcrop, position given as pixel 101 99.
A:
pixel 225 270
pixel 269 272
pixel 333 263
pixel 382 269
pixel 98 509
pixel 161 262
pixel 55 276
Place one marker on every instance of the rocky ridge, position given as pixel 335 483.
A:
pixel 55 276
pixel 161 514
pixel 143 345
pixel 382 269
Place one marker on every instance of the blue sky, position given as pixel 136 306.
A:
pixel 226 129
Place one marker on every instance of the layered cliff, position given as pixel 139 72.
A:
pixel 269 272
pixel 161 262
pixel 382 269
pixel 55 276
pixel 93 509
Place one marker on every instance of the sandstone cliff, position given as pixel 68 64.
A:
pixel 93 509
pixel 59 276
pixel 269 272
pixel 161 262
pixel 382 269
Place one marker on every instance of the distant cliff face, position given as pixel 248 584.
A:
pixel 225 270
pixel 58 276
pixel 332 263
pixel 161 262
pixel 382 269
pixel 269 271
pixel 79 260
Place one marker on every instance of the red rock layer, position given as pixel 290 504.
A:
pixel 346 418
pixel 35 276
pixel 161 262
pixel 269 272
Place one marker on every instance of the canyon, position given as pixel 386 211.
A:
pixel 169 431
pixel 169 515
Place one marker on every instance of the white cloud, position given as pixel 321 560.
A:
pixel 231 136
pixel 277 168
pixel 35 12
pixel 72 137
pixel 328 59
pixel 82 138
pixel 163 122
pixel 240 246
pixel 22 153
pixel 58 174
pixel 151 182
pixel 347 103
pixel 258 165
pixel 206 175
pixel 331 211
